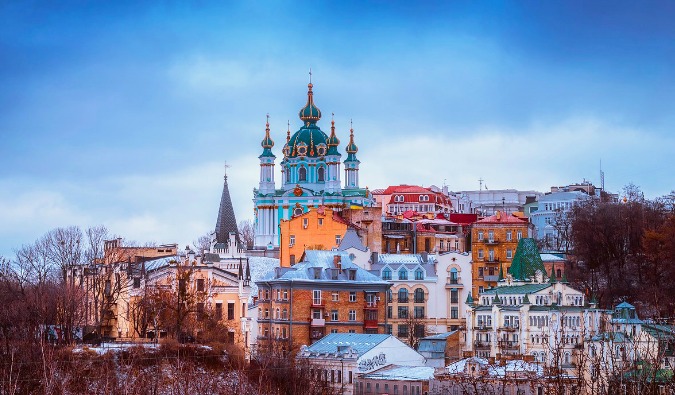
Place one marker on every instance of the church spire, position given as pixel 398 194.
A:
pixel 310 113
pixel 226 222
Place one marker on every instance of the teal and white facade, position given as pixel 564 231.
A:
pixel 310 176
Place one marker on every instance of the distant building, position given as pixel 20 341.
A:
pixel 441 349
pixel 398 199
pixel 396 379
pixel 487 202
pixel 323 293
pixel 551 221
pixel 339 358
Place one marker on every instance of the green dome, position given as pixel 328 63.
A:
pixel 333 141
pixel 267 143
pixel 351 147
pixel 310 113
pixel 309 141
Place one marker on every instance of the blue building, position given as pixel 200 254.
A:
pixel 310 175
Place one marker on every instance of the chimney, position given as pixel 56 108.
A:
pixel 425 256
pixel 373 257
pixel 337 260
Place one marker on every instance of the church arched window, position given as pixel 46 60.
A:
pixel 320 174
pixel 288 175
pixel 302 174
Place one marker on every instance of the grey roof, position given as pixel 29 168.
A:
pixel 351 240
pixel 402 373
pixel 226 222
pixel 563 196
pixel 211 257
pixel 401 258
pixel 546 257
pixel 323 260
pixel 359 342
pixel 516 289
pixel 440 336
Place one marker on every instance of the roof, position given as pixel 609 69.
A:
pixel 463 219
pixel 404 189
pixel 226 222
pixel 516 289
pixel 546 257
pixel 526 261
pixel 440 336
pixel 497 370
pixel 359 342
pixel 502 218
pixel 401 259
pixel 563 196
pixel 351 240
pixel 402 373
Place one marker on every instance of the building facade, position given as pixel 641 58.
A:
pixel 494 240
pixel 310 176
pixel 551 221
pixel 324 293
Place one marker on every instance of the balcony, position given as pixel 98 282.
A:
pixel 318 303
pixel 370 324
pixel 508 328
pixel 481 345
pixel 483 328
pixel 370 306
pixel 492 241
pixel 492 260
pixel 509 345
pixel 454 283
pixel 316 333
pixel 490 278
pixel 317 323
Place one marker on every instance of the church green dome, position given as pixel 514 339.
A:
pixel 333 141
pixel 267 143
pixel 310 113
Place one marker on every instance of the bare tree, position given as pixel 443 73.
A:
pixel 247 232
pixel 203 243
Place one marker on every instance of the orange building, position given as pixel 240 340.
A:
pixel 493 245
pixel 317 229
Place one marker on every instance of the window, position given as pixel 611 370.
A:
pixel 334 315
pixel 509 254
pixel 292 241
pixel 454 296
pixel 285 294
pixel 481 254
pixel 403 330
pixel 509 236
pixel 520 235
pixel 419 311
pixel 305 222
pixel 352 296
pixel 402 311
pixel 389 312
pixel 302 174
pixel 352 315
pixel 481 272
pixel 316 297
pixel 402 274
pixel 491 255
pixel 292 259
pixel 316 314
pixel 320 221
pixel 335 297
pixel 419 274
pixel 137 282
pixel 454 279
pixel 386 274
pixel 419 295
pixel 230 311
pixel 454 313
pixel 352 331
pixel 200 311
pixel 288 175
pixel 338 239
pixel 390 296
pixel 284 314
pixel 491 236
pixel 320 174
pixel 219 311
pixel 403 295
pixel 480 236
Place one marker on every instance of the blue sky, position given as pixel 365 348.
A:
pixel 122 114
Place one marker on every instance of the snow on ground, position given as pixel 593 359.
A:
pixel 114 347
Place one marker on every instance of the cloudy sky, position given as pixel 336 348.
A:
pixel 123 114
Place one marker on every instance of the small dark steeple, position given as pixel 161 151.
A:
pixel 226 222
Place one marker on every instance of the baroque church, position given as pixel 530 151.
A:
pixel 310 175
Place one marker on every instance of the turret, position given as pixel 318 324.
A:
pixel 266 185
pixel 351 163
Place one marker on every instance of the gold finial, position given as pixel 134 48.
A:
pixel 268 121
pixel 310 75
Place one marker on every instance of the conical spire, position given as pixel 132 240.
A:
pixel 501 273
pixel 351 147
pixel 496 300
pixel 267 142
pixel 526 300
pixel 564 278
pixel 469 299
pixel 526 261
pixel 332 141
pixel 552 279
pixel 226 222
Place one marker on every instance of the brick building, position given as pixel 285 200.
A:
pixel 324 293
pixel 494 240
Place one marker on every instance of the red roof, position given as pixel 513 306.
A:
pixel 463 219
pixel 406 189
pixel 501 218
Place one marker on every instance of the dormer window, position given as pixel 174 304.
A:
pixel 402 274
pixel 386 274
pixel 398 198
pixel 419 274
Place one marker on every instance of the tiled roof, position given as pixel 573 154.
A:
pixel 359 342
pixel 502 218
pixel 402 373
pixel 226 222
pixel 406 189
pixel 463 219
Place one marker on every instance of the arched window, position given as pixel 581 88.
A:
pixel 403 274
pixel 558 273
pixel 320 174
pixel 288 175
pixel 403 295
pixel 386 274
pixel 419 295
pixel 419 274
pixel 453 276
pixel 302 174
pixel 284 314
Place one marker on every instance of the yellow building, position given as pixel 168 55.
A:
pixel 494 240
pixel 317 229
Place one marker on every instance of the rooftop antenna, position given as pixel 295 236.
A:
pixel 480 181
pixel 602 177
pixel 310 75
pixel 226 167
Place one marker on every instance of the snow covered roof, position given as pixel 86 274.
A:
pixel 551 258
pixel 402 373
pixel 359 342
pixel 497 369
pixel 402 258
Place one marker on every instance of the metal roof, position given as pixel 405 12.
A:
pixel 359 342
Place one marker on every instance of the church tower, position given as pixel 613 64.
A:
pixel 267 158
pixel 226 223
pixel 351 163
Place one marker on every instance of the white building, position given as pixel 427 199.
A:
pixel 550 219
pixel 339 357
pixel 486 202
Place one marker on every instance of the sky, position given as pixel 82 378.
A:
pixel 124 113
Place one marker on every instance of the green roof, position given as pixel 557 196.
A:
pixel 526 261
pixel 516 289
